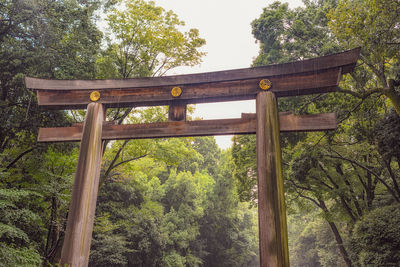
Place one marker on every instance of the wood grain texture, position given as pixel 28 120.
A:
pixel 296 84
pixel 345 60
pixel 177 112
pixel 78 235
pixel 245 125
pixel 274 251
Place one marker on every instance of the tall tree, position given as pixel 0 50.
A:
pixel 341 172
pixel 146 40
pixel 373 25
pixel 56 39
pixel 49 39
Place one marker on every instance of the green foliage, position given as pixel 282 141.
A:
pixel 157 195
pixel 288 35
pixel 368 24
pixel 146 41
pixel 387 135
pixel 109 250
pixel 174 202
pixel 18 229
pixel 51 39
pixel 10 256
pixel 373 26
pixel 163 212
pixel 311 242
pixel 375 240
pixel 245 166
pixel 229 228
pixel 349 172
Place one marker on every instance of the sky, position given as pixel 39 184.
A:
pixel 225 25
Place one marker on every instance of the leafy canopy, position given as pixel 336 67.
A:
pixel 146 40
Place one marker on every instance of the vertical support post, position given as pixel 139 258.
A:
pixel 76 246
pixel 273 241
pixel 177 112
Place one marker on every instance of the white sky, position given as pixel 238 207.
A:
pixel 225 25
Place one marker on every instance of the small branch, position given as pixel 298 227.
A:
pixel 360 95
pixel 12 163
pixel 342 197
pixel 345 118
pixel 321 182
pixel 368 170
pixel 372 67
pixel 304 196
pixel 128 160
pixel 312 100
pixel 110 167
pixel 126 113
pixel 392 175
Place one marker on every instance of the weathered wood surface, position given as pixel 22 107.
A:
pixel 177 112
pixel 346 60
pixel 274 251
pixel 304 83
pixel 245 125
pixel 78 235
pixel 317 75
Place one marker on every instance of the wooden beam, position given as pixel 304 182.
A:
pixel 273 239
pixel 302 123
pixel 78 235
pixel 299 84
pixel 245 125
pixel 345 60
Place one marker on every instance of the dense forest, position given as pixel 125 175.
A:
pixel 184 201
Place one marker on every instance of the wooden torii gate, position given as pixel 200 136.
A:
pixel 319 75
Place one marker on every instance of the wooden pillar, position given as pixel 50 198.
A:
pixel 273 242
pixel 177 112
pixel 76 247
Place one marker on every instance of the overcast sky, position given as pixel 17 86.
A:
pixel 225 25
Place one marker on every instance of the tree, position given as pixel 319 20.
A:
pixel 55 39
pixel 344 173
pixel 288 35
pixel 373 25
pixel 375 239
pixel 18 229
pixel 166 209
pixel 49 39
pixel 228 227
pixel 146 41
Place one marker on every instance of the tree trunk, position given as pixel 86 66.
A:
pixel 338 238
pixel 393 96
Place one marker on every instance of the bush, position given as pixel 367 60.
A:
pixel 376 237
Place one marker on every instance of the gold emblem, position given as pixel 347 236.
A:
pixel 94 96
pixel 265 84
pixel 176 91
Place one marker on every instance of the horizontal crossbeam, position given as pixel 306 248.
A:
pixel 318 75
pixel 245 125
pixel 308 83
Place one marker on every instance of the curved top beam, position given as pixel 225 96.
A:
pixel 345 60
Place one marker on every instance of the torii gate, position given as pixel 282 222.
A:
pixel 319 75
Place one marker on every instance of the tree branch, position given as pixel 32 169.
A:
pixel 110 167
pixel 12 163
pixel 368 170
pixel 128 160
pixel 360 95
